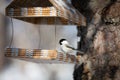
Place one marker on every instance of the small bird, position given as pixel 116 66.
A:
pixel 66 47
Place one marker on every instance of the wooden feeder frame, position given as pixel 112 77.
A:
pixel 39 56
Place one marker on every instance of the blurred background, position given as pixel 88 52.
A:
pixel 31 36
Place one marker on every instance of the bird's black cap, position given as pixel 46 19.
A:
pixel 61 40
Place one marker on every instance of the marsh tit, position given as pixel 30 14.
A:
pixel 67 48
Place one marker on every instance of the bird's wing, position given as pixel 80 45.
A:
pixel 74 49
pixel 70 47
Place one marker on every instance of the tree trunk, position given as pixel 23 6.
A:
pixel 100 42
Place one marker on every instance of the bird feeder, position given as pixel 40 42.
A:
pixel 34 11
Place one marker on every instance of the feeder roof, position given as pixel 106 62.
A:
pixel 29 3
pixel 35 9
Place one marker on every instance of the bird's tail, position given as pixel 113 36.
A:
pixel 80 51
